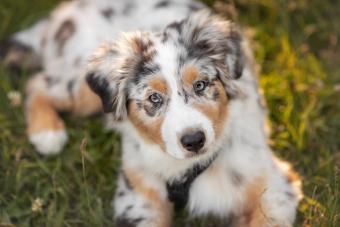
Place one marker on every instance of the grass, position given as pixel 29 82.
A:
pixel 296 44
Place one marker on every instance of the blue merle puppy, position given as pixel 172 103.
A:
pixel 187 105
pixel 183 94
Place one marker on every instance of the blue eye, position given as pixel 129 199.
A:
pixel 199 86
pixel 156 98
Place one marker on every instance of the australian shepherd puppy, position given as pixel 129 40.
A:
pixel 183 93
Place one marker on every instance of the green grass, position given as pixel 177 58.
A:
pixel 296 44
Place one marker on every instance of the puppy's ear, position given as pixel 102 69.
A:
pixel 113 66
pixel 210 36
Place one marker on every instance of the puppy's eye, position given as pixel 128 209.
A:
pixel 199 86
pixel 155 98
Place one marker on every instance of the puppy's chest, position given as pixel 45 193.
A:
pixel 217 191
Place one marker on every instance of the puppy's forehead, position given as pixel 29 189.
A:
pixel 176 66
pixel 167 57
pixel 172 63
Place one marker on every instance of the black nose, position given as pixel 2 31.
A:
pixel 193 141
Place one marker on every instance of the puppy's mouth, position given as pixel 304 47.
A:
pixel 195 154
pixel 183 154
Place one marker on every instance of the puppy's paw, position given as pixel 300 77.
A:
pixel 49 142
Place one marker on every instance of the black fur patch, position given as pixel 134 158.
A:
pixel 121 194
pixel 144 68
pixel 12 45
pixel 70 86
pixel 25 58
pixel 162 4
pixel 126 181
pixel 107 13
pixel 177 26
pixel 199 49
pixel 51 81
pixel 101 87
pixel 178 191
pixel 186 97
pixel 234 49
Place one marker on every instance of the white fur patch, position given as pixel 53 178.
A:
pixel 49 142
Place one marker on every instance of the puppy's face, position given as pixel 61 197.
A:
pixel 181 109
pixel 173 87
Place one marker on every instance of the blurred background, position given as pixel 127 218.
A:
pixel 296 45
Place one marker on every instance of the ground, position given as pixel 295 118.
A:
pixel 296 45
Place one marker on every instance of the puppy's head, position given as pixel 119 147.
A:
pixel 173 87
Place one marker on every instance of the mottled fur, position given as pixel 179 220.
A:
pixel 233 176
pixel 182 92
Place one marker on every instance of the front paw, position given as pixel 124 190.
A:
pixel 49 142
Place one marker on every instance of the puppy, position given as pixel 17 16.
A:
pixel 186 103
pixel 183 94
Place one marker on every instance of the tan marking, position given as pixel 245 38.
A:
pixel 254 210
pixel 217 111
pixel 135 43
pixel 159 84
pixel 190 74
pixel 41 115
pixel 42 110
pixel 159 204
pixel 86 102
pixel 151 131
pixel 292 176
pixel 294 180
pixel 62 105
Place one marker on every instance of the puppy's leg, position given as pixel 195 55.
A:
pixel 282 195
pixel 272 200
pixel 141 201
pixel 46 97
pixel 45 128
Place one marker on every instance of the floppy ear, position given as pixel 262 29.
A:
pixel 210 36
pixel 113 66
